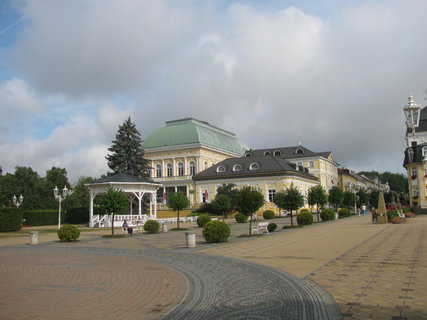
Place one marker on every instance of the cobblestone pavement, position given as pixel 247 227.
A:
pixel 217 287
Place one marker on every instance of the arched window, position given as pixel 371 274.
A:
pixel 192 168
pixel 180 169
pixel 158 170
pixel 299 151
pixel 277 153
pixel 237 167
pixel 248 155
pixel 169 169
pixel 220 169
pixel 254 166
pixel 267 153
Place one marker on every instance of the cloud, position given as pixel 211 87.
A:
pixel 275 77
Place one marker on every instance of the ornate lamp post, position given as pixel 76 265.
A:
pixel 17 201
pixel 412 115
pixel 59 197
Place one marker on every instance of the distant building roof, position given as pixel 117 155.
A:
pixel 252 167
pixel 189 131
pixel 121 178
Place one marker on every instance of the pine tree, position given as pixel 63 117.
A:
pixel 127 154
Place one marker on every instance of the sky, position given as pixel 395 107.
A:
pixel 332 75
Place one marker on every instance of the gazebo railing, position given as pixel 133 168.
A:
pixel 102 221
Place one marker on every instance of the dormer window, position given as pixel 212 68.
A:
pixel 410 155
pixel 299 151
pixel 277 153
pixel 248 155
pixel 220 169
pixel 254 166
pixel 237 167
pixel 424 152
pixel 267 153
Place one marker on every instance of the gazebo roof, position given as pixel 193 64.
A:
pixel 122 178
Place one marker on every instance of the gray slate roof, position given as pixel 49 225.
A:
pixel 418 154
pixel 290 152
pixel 268 166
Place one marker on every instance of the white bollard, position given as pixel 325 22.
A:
pixel 164 227
pixel 34 237
pixel 336 216
pixel 190 239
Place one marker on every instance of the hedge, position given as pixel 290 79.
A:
pixel 79 215
pixel 10 219
pixel 42 217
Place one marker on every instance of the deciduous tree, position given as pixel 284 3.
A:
pixel 178 201
pixel 249 200
pixel 317 196
pixel 290 199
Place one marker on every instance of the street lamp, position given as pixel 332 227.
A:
pixel 59 197
pixel 412 115
pixel 17 201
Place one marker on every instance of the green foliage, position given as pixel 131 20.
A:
pixel 373 198
pixel 230 190
pixel 317 196
pixel 392 214
pixel 336 196
pixel 327 214
pixel 178 201
pixel 269 214
pixel 344 212
pixel 349 199
pixel 206 207
pixel 80 196
pixel 240 217
pixel 271 227
pixel 203 219
pixel 68 233
pixel 222 203
pixel 216 231
pixel 363 197
pixel 10 219
pixel 115 202
pixel 249 200
pixel 151 226
pixel 397 181
pixel 77 215
pixel 127 154
pixel 305 218
pixel 42 217
pixel 290 199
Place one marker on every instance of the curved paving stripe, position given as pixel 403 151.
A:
pixel 227 288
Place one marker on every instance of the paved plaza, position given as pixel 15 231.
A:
pixel 346 269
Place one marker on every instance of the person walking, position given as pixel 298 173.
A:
pixel 364 210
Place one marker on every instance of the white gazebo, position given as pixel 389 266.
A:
pixel 134 187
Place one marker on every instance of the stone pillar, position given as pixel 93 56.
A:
pixel 34 237
pixel 190 239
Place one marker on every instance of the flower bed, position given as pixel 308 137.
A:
pixel 398 220
pixel 410 215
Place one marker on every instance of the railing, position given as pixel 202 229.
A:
pixel 132 220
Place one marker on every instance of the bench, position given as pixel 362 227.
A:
pixel 261 227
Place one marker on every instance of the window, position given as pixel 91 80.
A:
pixel 254 166
pixel 169 169
pixel 424 152
pixel 237 167
pixel 248 155
pixel 300 164
pixel 271 194
pixel 410 155
pixel 414 173
pixel 311 164
pixel 415 193
pixel 158 170
pixel 192 168
pixel 267 153
pixel 277 153
pixel 180 169
pixel 299 151
pixel 220 169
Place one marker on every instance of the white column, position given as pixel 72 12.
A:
pixel 130 204
pixel 164 170
pixel 151 207
pixel 266 193
pixel 91 195
pixel 185 166
pixel 155 204
pixel 173 167
pixel 198 165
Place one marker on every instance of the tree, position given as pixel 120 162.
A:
pixel 362 197
pixel 373 198
pixel 397 181
pixel 349 199
pixel 230 190
pixel 127 154
pixel 178 201
pixel 80 196
pixel 317 196
pixel 290 199
pixel 114 202
pixel 336 197
pixel 222 203
pixel 248 201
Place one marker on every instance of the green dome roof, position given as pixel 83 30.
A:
pixel 190 131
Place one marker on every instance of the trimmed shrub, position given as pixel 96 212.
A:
pixel 151 226
pixel 216 231
pixel 327 214
pixel 304 218
pixel 271 227
pixel 269 214
pixel 304 210
pixel 42 217
pixel 344 212
pixel 10 219
pixel 68 233
pixel 392 214
pixel 203 219
pixel 240 217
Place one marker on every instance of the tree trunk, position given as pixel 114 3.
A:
pixel 223 216
pixel 317 213
pixel 292 220
pixel 177 220
pixel 112 224
pixel 250 225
